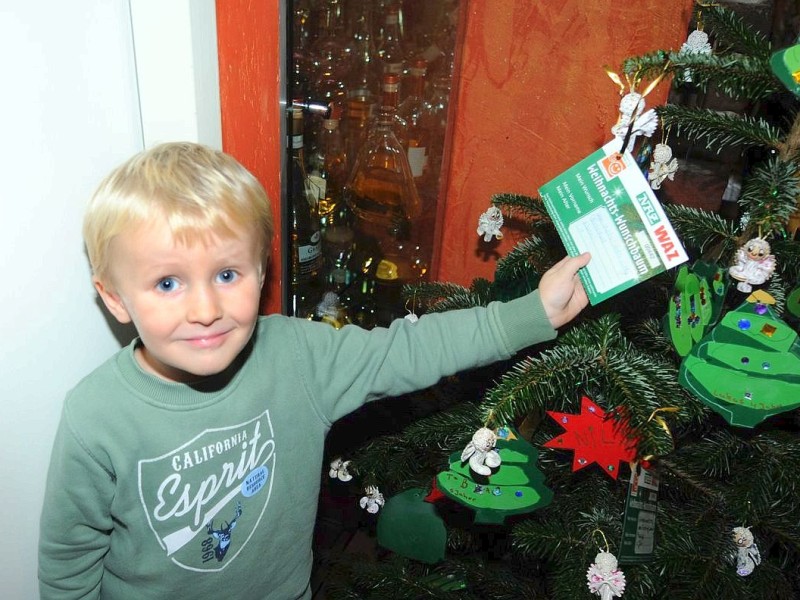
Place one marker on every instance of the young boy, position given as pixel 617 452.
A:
pixel 188 465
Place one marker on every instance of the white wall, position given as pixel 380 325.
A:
pixel 69 112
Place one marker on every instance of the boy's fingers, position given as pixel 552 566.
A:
pixel 577 262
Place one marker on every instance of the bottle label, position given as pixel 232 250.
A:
pixel 297 142
pixel 318 186
pixel 417 157
pixel 307 257
pixel 394 68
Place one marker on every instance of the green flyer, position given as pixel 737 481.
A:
pixel 604 205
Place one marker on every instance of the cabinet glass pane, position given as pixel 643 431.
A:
pixel 370 82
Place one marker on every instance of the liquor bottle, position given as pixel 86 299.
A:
pixel 390 51
pixel 363 81
pixel 402 263
pixel 338 248
pixel 331 62
pixel 305 236
pixel 359 303
pixel 411 110
pixel 328 163
pixel 380 189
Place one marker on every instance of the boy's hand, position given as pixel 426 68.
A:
pixel 561 290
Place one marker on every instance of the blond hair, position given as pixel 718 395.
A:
pixel 195 189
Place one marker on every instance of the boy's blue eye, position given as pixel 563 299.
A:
pixel 226 276
pixel 168 284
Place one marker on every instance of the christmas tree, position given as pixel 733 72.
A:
pixel 648 382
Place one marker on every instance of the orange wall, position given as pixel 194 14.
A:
pixel 247 35
pixel 531 99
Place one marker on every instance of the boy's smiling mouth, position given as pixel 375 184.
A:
pixel 208 340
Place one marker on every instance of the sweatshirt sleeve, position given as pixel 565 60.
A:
pixel 351 365
pixel 75 527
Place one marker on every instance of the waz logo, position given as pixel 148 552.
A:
pixel 189 493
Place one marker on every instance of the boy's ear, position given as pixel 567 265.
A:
pixel 112 301
pixel 263 274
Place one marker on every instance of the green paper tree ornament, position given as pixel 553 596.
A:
pixel 516 486
pixel 793 302
pixel 748 367
pixel 786 66
pixel 695 304
pixel 411 527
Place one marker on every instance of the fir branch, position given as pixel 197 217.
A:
pixel 441 297
pixel 393 460
pixel 788 254
pixel 602 333
pixel 535 383
pixel 738 76
pixel 770 194
pixel 776 288
pixel 527 260
pixel 649 334
pixel 648 66
pixel 430 292
pixel 396 578
pixel 731 30
pixel 545 540
pixel 694 482
pixel 720 130
pixel 706 231
pixel 527 207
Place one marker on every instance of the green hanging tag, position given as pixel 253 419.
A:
pixel 639 524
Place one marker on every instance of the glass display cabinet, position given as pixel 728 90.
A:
pixel 368 91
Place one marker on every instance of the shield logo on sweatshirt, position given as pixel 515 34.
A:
pixel 205 498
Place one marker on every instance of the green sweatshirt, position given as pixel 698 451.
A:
pixel 166 490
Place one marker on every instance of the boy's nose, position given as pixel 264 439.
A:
pixel 204 306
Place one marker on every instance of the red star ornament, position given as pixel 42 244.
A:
pixel 595 438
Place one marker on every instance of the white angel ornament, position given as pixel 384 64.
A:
pixel 696 43
pixel 605 578
pixel 633 116
pixel 373 501
pixel 481 453
pixel 663 166
pixel 754 264
pixel 633 120
pixel 747 554
pixel 339 470
pixel 489 224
